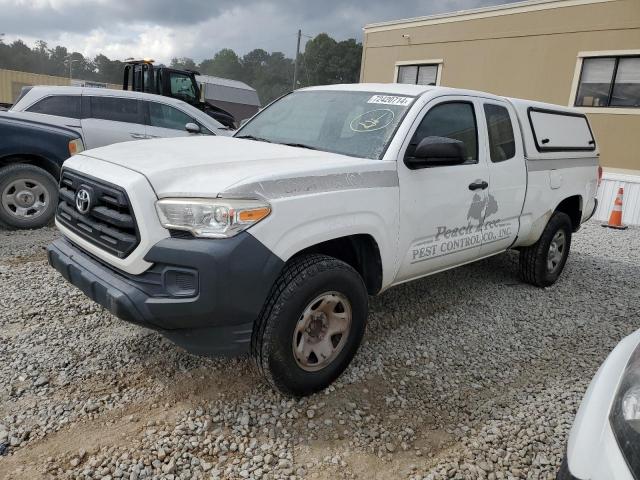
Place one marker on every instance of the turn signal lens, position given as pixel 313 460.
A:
pixel 75 146
pixel 253 215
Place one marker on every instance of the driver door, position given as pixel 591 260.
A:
pixel 442 207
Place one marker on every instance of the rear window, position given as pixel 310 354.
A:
pixel 116 109
pixel 555 131
pixel 59 105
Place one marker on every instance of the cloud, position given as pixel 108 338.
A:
pixel 163 29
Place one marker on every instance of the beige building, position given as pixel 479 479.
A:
pixel 583 53
pixel 11 83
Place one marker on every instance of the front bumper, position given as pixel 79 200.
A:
pixel 202 294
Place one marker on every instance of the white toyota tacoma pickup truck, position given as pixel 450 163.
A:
pixel 270 243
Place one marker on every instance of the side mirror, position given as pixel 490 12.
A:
pixel 192 127
pixel 436 151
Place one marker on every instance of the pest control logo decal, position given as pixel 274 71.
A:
pixel 480 208
pixel 481 229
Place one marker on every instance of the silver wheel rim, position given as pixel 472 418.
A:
pixel 322 331
pixel 25 199
pixel 556 251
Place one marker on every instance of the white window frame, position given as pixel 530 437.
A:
pixel 439 63
pixel 576 80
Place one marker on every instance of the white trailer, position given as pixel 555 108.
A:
pixel 234 96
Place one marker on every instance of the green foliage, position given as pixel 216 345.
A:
pixel 324 61
pixel 183 63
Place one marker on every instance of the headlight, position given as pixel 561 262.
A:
pixel 211 218
pixel 625 414
pixel 75 146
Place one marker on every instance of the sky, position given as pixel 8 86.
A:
pixel 163 29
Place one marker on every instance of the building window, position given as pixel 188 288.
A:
pixel 609 82
pixel 418 74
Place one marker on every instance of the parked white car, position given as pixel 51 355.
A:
pixel 604 443
pixel 105 116
pixel 272 241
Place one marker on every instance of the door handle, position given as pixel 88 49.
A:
pixel 138 136
pixel 478 185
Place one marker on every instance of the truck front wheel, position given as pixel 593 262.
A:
pixel 28 196
pixel 542 263
pixel 311 325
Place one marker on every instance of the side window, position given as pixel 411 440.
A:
pixel 182 87
pixel 60 105
pixel 165 116
pixel 127 110
pixel 455 120
pixel 502 145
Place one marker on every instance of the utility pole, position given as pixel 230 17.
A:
pixel 70 61
pixel 295 63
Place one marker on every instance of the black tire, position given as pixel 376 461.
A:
pixel 32 175
pixel 534 267
pixel 302 280
pixel 563 471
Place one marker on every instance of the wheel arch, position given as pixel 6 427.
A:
pixel 48 165
pixel 572 206
pixel 360 251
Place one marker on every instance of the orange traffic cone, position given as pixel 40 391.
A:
pixel 615 219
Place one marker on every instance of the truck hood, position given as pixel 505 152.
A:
pixel 208 166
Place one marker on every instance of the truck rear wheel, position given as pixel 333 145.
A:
pixel 311 325
pixel 542 263
pixel 28 196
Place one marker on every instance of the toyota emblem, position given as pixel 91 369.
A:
pixel 83 201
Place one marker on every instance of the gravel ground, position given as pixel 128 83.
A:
pixel 466 374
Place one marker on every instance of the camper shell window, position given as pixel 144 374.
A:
pixel 556 131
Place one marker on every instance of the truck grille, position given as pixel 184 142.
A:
pixel 107 220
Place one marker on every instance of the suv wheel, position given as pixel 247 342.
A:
pixel 28 196
pixel 311 325
pixel 542 263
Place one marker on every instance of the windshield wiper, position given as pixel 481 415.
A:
pixel 251 137
pixel 300 145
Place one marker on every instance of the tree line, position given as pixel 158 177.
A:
pixel 324 61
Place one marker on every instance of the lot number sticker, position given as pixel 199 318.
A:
pixel 390 100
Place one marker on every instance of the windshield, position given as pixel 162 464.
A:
pixel 359 124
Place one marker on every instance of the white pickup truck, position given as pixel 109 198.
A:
pixel 270 243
